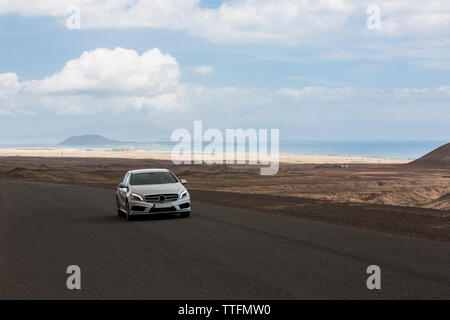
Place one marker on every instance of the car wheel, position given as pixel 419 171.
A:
pixel 185 214
pixel 119 211
pixel 128 215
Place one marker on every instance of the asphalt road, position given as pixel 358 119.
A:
pixel 217 253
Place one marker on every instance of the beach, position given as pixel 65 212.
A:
pixel 166 155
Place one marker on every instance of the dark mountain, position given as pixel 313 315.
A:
pixel 438 159
pixel 98 140
pixel 90 140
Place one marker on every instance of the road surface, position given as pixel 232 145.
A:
pixel 217 253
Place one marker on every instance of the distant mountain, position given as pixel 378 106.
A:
pixel 98 140
pixel 438 158
pixel 90 140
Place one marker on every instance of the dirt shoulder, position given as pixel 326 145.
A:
pixel 408 221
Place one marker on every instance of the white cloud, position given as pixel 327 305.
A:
pixel 261 19
pixel 415 17
pixel 319 106
pixel 102 80
pixel 119 71
pixel 250 20
pixel 412 31
pixel 115 82
pixel 202 70
pixel 9 86
pixel 333 29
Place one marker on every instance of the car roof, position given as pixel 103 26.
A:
pixel 148 170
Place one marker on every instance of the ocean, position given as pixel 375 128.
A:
pixel 382 149
pixel 372 148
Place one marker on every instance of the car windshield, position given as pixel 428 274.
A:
pixel 152 178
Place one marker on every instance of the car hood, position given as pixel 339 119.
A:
pixel 149 189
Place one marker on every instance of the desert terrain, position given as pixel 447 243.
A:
pixel 406 198
pixel 390 195
pixel 332 178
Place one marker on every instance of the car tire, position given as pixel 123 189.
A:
pixel 185 214
pixel 119 211
pixel 128 215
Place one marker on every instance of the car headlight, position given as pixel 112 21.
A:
pixel 183 194
pixel 136 197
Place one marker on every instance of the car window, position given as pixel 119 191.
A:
pixel 152 178
pixel 125 179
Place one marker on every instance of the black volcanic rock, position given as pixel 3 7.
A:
pixel 436 159
pixel 89 140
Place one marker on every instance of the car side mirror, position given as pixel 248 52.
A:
pixel 122 186
pixel 183 181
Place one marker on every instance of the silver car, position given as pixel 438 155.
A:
pixel 152 191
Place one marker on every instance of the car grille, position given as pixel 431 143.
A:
pixel 161 197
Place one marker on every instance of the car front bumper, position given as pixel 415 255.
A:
pixel 178 206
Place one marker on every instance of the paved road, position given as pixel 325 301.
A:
pixel 216 253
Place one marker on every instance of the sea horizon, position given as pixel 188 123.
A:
pixel 401 149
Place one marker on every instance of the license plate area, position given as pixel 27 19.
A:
pixel 162 205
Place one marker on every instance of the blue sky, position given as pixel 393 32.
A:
pixel 310 80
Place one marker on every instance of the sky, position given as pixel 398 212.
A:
pixel 138 69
